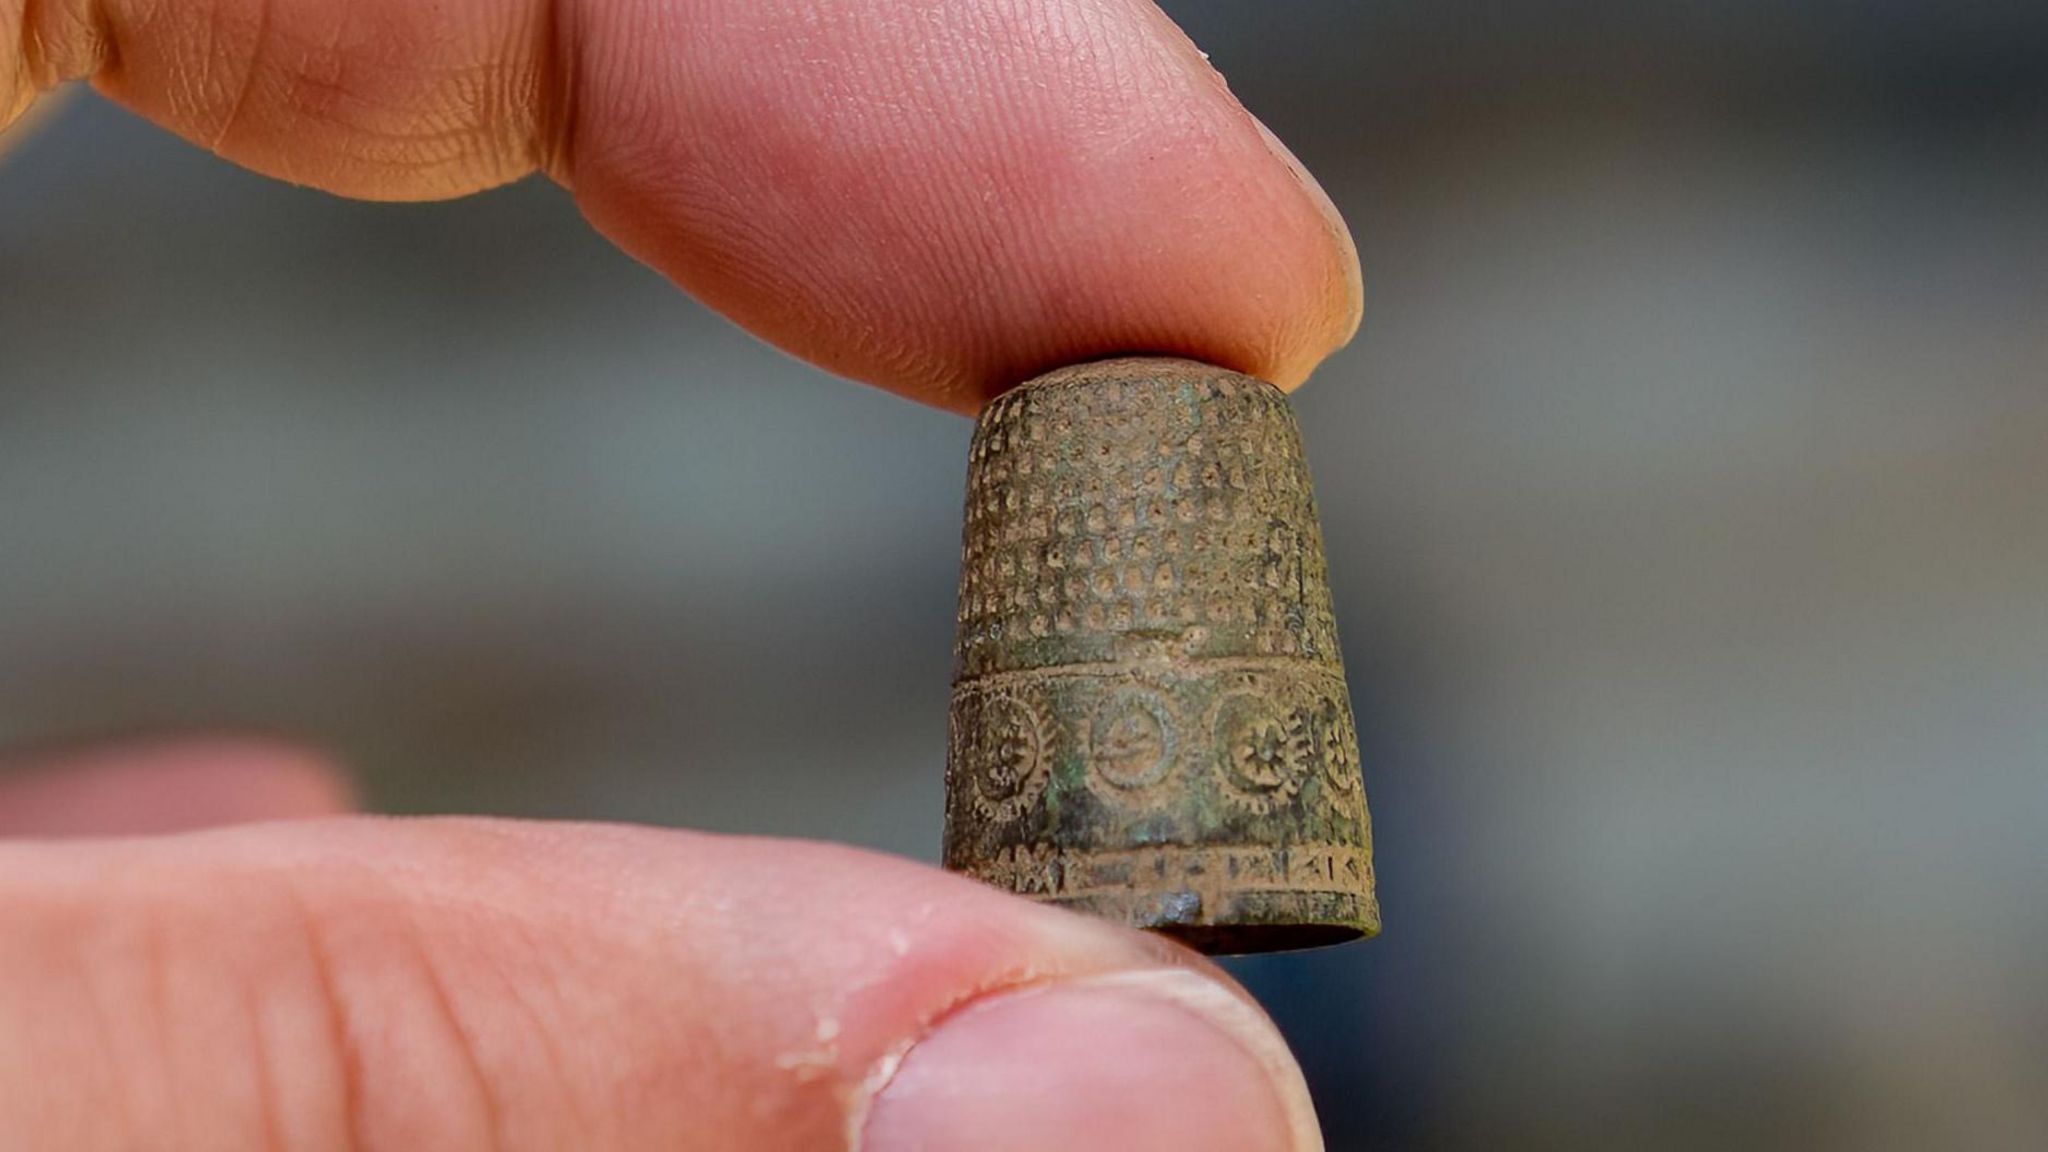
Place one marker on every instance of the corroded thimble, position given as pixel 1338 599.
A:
pixel 1149 718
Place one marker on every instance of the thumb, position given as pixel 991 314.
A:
pixel 375 984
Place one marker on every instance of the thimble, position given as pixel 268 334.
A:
pixel 1149 716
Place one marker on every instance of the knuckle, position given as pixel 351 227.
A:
pixel 390 1048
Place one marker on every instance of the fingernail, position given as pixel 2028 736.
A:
pixel 1155 1061
pixel 1353 275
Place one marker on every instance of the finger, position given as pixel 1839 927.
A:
pixel 941 198
pixel 469 985
pixel 166 786
pixel 25 125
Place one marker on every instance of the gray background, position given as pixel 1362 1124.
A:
pixel 1687 498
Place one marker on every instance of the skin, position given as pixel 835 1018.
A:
pixel 199 948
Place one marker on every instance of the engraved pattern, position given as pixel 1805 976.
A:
pixel 1266 726
pixel 1336 738
pixel 1263 746
pixel 1009 738
pixel 1046 870
pixel 1134 740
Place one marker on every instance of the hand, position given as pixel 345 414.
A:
pixel 939 198
pixel 942 197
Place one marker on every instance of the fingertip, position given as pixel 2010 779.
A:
pixel 1343 305
pixel 148 787
pixel 950 210
pixel 1135 1061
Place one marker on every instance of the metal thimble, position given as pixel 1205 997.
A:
pixel 1149 717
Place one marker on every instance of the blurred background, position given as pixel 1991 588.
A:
pixel 1686 495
